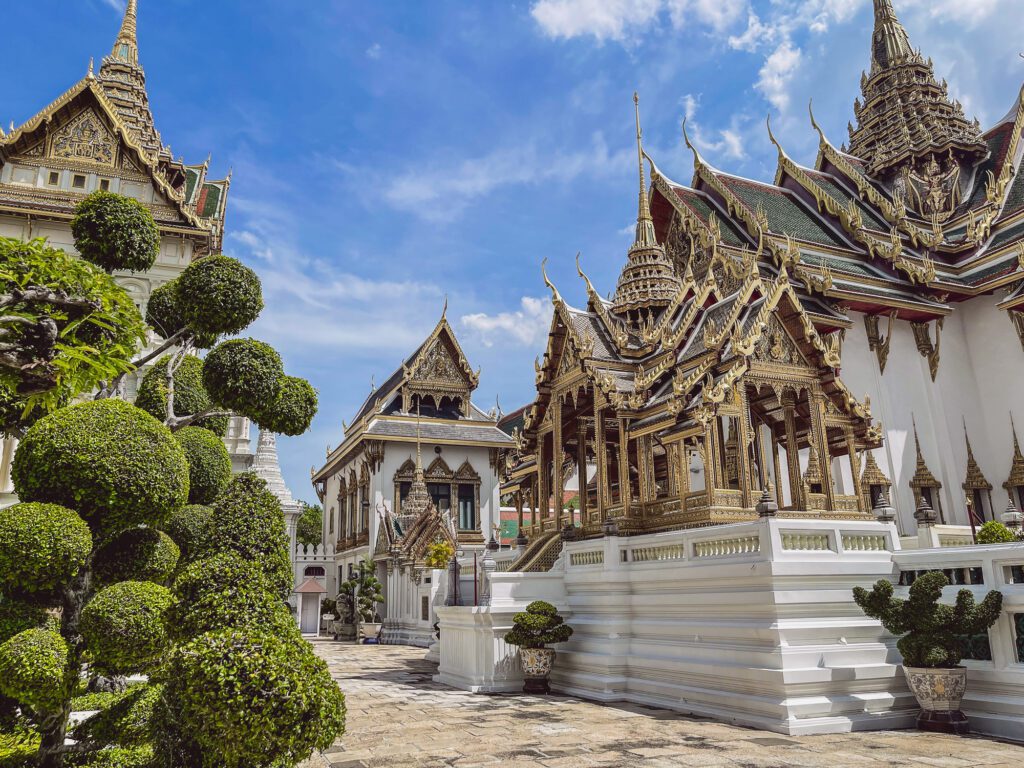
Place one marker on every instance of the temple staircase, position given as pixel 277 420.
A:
pixel 540 555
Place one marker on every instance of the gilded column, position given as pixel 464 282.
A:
pixel 777 463
pixel 543 485
pixel 581 466
pixel 519 509
pixel 792 449
pixel 821 441
pixel 624 489
pixel 557 452
pixel 851 446
pixel 601 449
pixel 743 452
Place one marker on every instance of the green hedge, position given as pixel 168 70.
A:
pixel 118 757
pixel 18 615
pixel 208 461
pixel 190 396
pixel 42 546
pixel 33 667
pixel 219 295
pixel 191 527
pixel 126 722
pixel 115 232
pixel 125 626
pixel 254 699
pixel 243 375
pixel 112 462
pixel 138 554
pixel 293 410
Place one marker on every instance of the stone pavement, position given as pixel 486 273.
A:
pixel 398 717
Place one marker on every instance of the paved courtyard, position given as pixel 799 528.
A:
pixel 398 717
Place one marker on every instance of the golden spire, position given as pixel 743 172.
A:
pixel 126 47
pixel 889 42
pixel 923 477
pixel 975 477
pixel 645 237
pixel 1016 478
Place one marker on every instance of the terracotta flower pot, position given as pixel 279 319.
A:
pixel 537 664
pixel 939 693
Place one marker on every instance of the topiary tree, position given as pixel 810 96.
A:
pixel 115 232
pixel 994 532
pixel 190 396
pixel 363 592
pixel 208 462
pixel 138 554
pixel 929 630
pixel 538 626
pixel 124 627
pixel 309 530
pixel 191 529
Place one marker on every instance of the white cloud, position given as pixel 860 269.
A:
pixel 441 192
pixel 374 51
pixel 755 35
pixel 619 19
pixel 527 326
pixel 727 142
pixel 969 12
pixel 777 73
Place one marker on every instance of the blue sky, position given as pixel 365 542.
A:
pixel 388 154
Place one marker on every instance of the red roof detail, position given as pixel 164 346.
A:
pixel 311 587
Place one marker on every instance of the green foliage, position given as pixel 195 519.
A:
pixel 994 532
pixel 90 344
pixel 115 464
pixel 247 519
pixel 293 410
pixel 100 701
pixel 42 546
pixel 253 699
pixel 439 554
pixel 138 554
pixel 219 295
pixel 117 757
pixel 208 462
pixel 191 527
pixel 126 720
pixel 243 375
pixel 33 669
pixel 18 747
pixel 930 630
pixel 115 232
pixel 539 625
pixel 162 311
pixel 310 528
pixel 124 626
pixel 18 615
pixel 190 396
pixel 363 592
pixel 227 591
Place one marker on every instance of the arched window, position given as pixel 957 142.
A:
pixel 314 570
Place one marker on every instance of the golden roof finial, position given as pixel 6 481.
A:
pixel 126 47
pixel 697 160
pixel 975 477
pixel 556 297
pixel 444 310
pixel 91 74
pixel 644 223
pixel 1016 478
pixel 1016 443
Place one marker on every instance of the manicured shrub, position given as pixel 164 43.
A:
pixel 18 746
pixel 293 410
pixel 115 232
pixel 190 396
pixel 127 721
pixel 191 527
pixel 224 591
pixel 254 699
pixel 18 615
pixel 209 465
pixel 247 519
pixel 243 374
pixel 33 669
pixel 931 633
pixel 124 626
pixel 112 462
pixel 309 530
pixel 117 757
pixel 219 295
pixel 162 311
pixel 539 625
pixel 994 532
pixel 42 546
pixel 138 554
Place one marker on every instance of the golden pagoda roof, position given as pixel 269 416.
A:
pixel 975 479
pixel 1016 478
pixel 923 477
pixel 873 474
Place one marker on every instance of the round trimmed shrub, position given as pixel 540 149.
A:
pixel 18 615
pixel 33 667
pixel 292 412
pixel 247 519
pixel 115 232
pixel 243 374
pixel 209 465
pixel 162 311
pixel 142 756
pixel 219 295
pixel 254 699
pixel 124 626
pixel 190 396
pixel 138 554
pixel 994 532
pixel 128 722
pixel 42 546
pixel 112 462
pixel 191 528
pixel 227 591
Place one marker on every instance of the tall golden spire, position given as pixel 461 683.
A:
pixel 889 42
pixel 126 47
pixel 648 281
pixel 975 478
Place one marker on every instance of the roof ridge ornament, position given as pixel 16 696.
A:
pixel 126 47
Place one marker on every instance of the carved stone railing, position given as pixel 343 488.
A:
pixel 727 546
pixel 665 552
pixel 587 557
pixel 863 542
pixel 806 541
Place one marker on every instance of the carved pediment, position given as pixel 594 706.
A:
pixel 777 346
pixel 84 138
pixel 571 360
pixel 466 472
pixel 439 470
pixel 438 365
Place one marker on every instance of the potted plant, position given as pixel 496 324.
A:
pixel 439 554
pixel 532 630
pixel 931 642
pixel 362 593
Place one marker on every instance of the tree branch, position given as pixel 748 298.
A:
pixel 39 295
pixel 178 422
pixel 114 388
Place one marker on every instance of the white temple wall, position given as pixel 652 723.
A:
pixel 981 367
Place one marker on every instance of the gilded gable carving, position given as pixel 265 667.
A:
pixel 777 346
pixel 437 364
pixel 84 138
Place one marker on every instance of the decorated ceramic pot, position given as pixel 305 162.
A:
pixel 537 664
pixel 939 693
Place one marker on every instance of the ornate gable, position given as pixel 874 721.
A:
pixel 84 138
pixel 776 346
pixel 440 371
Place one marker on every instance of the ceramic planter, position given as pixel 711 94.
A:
pixel 939 693
pixel 537 664
pixel 369 630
